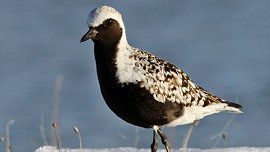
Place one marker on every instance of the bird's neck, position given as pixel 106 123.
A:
pixel 106 59
pixel 105 53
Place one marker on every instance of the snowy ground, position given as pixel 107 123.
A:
pixel 127 149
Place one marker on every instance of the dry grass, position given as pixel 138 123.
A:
pixel 77 131
pixel 8 145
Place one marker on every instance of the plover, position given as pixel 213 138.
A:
pixel 141 88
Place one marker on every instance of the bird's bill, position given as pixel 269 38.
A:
pixel 89 35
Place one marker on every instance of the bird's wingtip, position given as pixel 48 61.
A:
pixel 233 107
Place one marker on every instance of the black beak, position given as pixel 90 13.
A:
pixel 89 35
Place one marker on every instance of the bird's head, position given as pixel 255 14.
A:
pixel 105 26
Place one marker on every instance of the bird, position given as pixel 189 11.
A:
pixel 141 88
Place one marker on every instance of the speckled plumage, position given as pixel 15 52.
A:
pixel 141 88
pixel 163 80
pixel 167 83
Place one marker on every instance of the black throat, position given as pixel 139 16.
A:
pixel 106 41
pixel 105 54
pixel 105 49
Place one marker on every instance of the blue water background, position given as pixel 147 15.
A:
pixel 224 45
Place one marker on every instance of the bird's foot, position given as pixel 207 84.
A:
pixel 154 147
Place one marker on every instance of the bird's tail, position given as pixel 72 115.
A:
pixel 224 104
pixel 232 107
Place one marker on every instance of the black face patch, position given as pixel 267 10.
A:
pixel 109 32
pixel 107 23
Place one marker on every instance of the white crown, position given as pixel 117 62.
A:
pixel 98 15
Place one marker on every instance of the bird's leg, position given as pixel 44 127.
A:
pixel 164 140
pixel 154 145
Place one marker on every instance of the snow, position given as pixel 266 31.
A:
pixel 129 149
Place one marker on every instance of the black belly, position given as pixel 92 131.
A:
pixel 136 105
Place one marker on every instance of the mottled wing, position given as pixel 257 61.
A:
pixel 167 82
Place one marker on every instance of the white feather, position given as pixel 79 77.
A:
pixel 194 113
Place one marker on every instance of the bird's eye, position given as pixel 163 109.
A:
pixel 107 23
